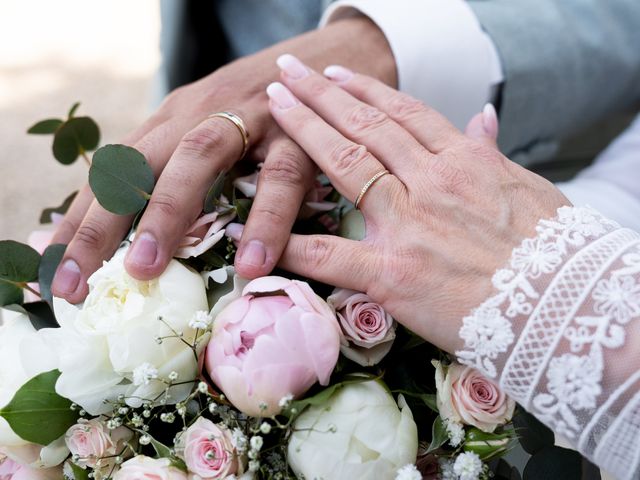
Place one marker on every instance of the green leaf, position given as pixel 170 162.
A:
pixel 41 315
pixel 162 451
pixel 37 413
pixel 243 205
pixel 532 434
pixel 45 127
pixel 429 399
pixel 73 109
pixel 213 195
pixel 439 435
pixel 75 137
pixel 78 472
pixel 45 215
pixel 18 262
pixel 121 179
pixel 554 463
pixel 10 293
pixel 87 132
pixel 51 258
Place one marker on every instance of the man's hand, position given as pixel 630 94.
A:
pixel 187 150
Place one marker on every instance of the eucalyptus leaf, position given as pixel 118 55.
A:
pixel 74 137
pixel 554 463
pixel 46 214
pixel 243 205
pixel 439 435
pixel 41 315
pixel 121 179
pixel 51 258
pixel 72 110
pixel 87 132
pixel 45 127
pixel 10 293
pixel 213 195
pixel 18 262
pixel 533 434
pixel 37 413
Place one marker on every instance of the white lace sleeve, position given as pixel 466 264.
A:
pixel 562 335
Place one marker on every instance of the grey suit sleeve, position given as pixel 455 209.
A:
pixel 566 63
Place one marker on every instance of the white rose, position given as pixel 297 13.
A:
pixel 360 433
pixel 114 334
pixel 22 357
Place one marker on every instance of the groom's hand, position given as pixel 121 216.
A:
pixel 187 150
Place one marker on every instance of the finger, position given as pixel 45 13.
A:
pixel 286 176
pixel 99 233
pixel 332 260
pixel 366 125
pixel 348 165
pixel 428 126
pixel 483 127
pixel 177 199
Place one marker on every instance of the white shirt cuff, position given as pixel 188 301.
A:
pixel 443 56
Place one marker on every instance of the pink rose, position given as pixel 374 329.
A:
pixel 146 468
pixel 275 340
pixel 466 396
pixel 10 470
pixel 368 330
pixel 92 440
pixel 209 451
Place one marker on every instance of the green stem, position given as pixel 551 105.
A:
pixel 86 158
pixel 25 286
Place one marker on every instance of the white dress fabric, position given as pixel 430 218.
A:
pixel 561 334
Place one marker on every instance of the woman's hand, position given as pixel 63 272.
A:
pixel 438 225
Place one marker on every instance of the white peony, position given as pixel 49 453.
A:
pixel 359 433
pixel 22 357
pixel 115 333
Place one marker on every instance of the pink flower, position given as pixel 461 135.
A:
pixel 7 468
pixel 209 451
pixel 91 440
pixel 11 470
pixel 278 329
pixel 368 330
pixel 145 468
pixel 466 396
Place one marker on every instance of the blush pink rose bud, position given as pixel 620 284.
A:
pixel 147 468
pixel 274 341
pixel 208 450
pixel 91 440
pixel 368 330
pixel 466 396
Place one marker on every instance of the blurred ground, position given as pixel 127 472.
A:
pixel 103 54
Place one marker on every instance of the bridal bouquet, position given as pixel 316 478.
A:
pixel 201 374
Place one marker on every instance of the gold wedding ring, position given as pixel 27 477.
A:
pixel 368 185
pixel 239 123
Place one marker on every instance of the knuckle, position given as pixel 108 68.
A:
pixel 317 87
pixel 349 157
pixel 201 141
pixel 452 179
pixel 91 235
pixel 318 252
pixel 284 168
pixel 165 204
pixel 404 107
pixel 364 118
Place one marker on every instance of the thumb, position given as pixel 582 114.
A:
pixel 483 127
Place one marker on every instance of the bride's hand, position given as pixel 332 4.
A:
pixel 438 225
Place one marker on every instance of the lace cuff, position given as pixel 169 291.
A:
pixel 561 335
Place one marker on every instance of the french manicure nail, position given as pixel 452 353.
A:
pixel 68 277
pixel 490 120
pixel 144 250
pixel 234 231
pixel 281 96
pixel 254 254
pixel 338 73
pixel 293 67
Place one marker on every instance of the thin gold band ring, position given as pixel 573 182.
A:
pixel 240 125
pixel 368 185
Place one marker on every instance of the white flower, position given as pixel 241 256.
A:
pixel 536 256
pixel 575 380
pixel 409 472
pixel 618 297
pixel 468 466
pixel 143 374
pixel 359 430
pixel 285 401
pixel 446 469
pixel 265 428
pixel 455 431
pixel 256 443
pixel 239 440
pixel 487 331
pixel 201 320
pixel 102 342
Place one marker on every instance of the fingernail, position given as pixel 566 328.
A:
pixel 68 277
pixel 490 120
pixel 144 250
pixel 338 73
pixel 281 96
pixel 234 232
pixel 254 254
pixel 293 67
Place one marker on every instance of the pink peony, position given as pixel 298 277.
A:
pixel 368 330
pixel 209 451
pixel 274 341
pixel 91 440
pixel 146 468
pixel 466 396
